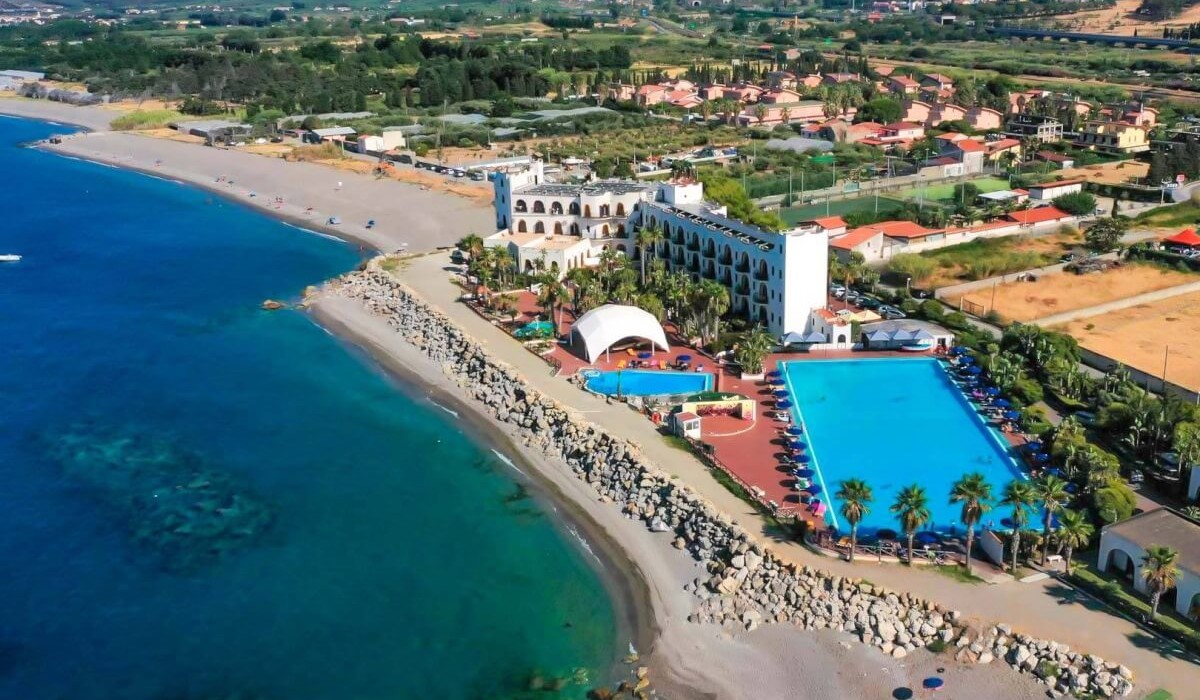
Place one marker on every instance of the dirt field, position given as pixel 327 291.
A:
pixel 1109 173
pixel 1052 294
pixel 1140 336
pixel 1121 19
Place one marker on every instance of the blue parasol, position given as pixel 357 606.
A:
pixel 958 349
pixel 928 537
pixel 1008 523
pixel 992 391
pixel 1034 445
pixel 967 360
pixel 802 458
pixel 803 473
pixel 932 683
pixel 783 403
pixel 684 358
pixel 1002 403
pixel 1055 471
pixel 1041 457
pixel 774 374
pixel 795 430
pixel 1012 415
pixel 814 489
pixel 1071 488
pixel 781 394
pixel 974 369
pixel 645 355
pixel 886 534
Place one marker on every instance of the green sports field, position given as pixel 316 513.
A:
pixel 793 215
pixel 944 192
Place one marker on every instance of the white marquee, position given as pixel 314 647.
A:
pixel 602 327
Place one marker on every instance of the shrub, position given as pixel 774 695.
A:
pixel 1114 502
pixel 1077 204
pixel 955 320
pixel 912 266
pixel 145 119
pixel 1027 391
pixel 932 310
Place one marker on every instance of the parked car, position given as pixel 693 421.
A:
pixel 869 303
pixel 891 313
pixel 835 288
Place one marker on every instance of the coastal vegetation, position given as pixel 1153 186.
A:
pixel 146 119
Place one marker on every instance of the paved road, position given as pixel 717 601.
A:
pixel 1047 609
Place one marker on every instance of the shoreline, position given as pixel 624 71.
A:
pixel 622 578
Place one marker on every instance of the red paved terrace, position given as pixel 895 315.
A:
pixel 752 452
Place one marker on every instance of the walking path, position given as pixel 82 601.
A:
pixel 1097 310
pixel 1046 608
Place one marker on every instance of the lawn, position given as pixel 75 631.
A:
pixel 794 215
pixel 944 192
pixel 1181 215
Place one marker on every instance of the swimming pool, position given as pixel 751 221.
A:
pixel 893 423
pixel 644 382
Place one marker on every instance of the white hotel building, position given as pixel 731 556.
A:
pixel 774 278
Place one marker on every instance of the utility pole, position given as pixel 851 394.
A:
pixel 1166 355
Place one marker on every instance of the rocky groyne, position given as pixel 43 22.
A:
pixel 744 585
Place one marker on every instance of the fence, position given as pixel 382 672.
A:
pixel 1151 382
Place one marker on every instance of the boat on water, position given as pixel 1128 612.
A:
pixel 10 257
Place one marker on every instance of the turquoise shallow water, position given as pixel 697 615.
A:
pixel 893 423
pixel 199 498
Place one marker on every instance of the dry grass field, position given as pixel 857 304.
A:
pixel 1140 337
pixel 1122 18
pixel 1052 294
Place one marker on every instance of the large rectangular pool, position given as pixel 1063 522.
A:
pixel 893 423
pixel 646 382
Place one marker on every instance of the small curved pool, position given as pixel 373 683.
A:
pixel 647 382
pixel 535 329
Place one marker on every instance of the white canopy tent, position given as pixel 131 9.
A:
pixel 604 326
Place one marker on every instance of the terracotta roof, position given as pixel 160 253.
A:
pixel 902 126
pixel 1053 157
pixel 830 222
pixel 905 81
pixel 951 136
pixel 1038 216
pixel 969 146
pixel 855 238
pixel 826 314
pixel 1186 237
pixel 1051 185
pixel 686 415
pixel 1002 144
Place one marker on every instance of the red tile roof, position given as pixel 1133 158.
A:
pixel 1052 185
pixel 905 81
pixel 1038 216
pixel 1003 144
pixel 902 126
pixel 830 222
pixel 1185 237
pixel 854 238
pixel 891 229
pixel 969 146
pixel 1053 157
pixel 951 136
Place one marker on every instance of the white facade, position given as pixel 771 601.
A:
pixel 776 279
pixel 1123 544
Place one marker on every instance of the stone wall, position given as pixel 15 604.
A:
pixel 744 585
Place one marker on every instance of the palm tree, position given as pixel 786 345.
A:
pixel 753 349
pixel 760 112
pixel 647 238
pixel 975 495
pixel 1160 571
pixel 856 498
pixel 470 244
pixel 1074 532
pixel 552 296
pixel 912 507
pixel 1020 496
pixel 1052 492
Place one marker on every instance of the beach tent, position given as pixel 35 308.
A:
pixel 793 338
pixel 604 326
pixel 815 337
pixel 1186 238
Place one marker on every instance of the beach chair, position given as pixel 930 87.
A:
pixel 621 364
pixel 662 364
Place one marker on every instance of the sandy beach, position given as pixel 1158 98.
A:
pixel 407 217
pixel 688 659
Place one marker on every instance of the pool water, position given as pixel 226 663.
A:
pixel 535 329
pixel 641 382
pixel 894 423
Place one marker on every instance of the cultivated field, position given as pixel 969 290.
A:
pixel 1141 335
pixel 1053 294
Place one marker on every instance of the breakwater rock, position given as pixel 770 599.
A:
pixel 744 585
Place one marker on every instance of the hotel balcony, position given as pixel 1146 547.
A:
pixel 742 267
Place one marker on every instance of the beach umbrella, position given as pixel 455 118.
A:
pixel 928 537
pixel 974 369
pixel 1001 403
pixel 1034 445
pixel 967 360
pixel 781 394
pixel 783 403
pixel 886 534
pixel 1007 522
pixel 902 694
pixel 958 349
pixel 1041 457
pixel 814 489
pixel 1071 488
pixel 645 355
pixel 802 458
pixel 1012 415
pixel 932 683
pixel 803 473
pixel 992 391
pixel 774 374
pixel 1055 472
pixel 684 358
pixel 795 430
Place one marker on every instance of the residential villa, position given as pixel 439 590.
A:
pixel 1124 543
pixel 936 112
pixel 1114 137
pixel 896 133
pixel 774 278
pixel 774 113
pixel 1035 127
pixel 902 85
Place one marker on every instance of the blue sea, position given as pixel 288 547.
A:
pixel 201 499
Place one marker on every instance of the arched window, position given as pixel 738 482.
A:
pixel 587 211
pixel 556 208
pixel 554 268
pixel 573 208
pixel 605 230
pixel 620 209
pixel 574 229
pixel 521 226
pixel 621 249
pixel 620 229
pixel 520 207
pixel 539 227
pixel 558 228
pixel 604 210
pixel 538 207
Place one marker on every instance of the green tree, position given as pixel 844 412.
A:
pixel 1052 492
pixel 974 494
pixel 1160 571
pixel 1019 495
pixel 912 508
pixel 1114 501
pixel 471 244
pixel 1074 532
pixel 752 349
pixel 856 497
pixel 1076 204
pixel 648 237
pixel 1106 234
